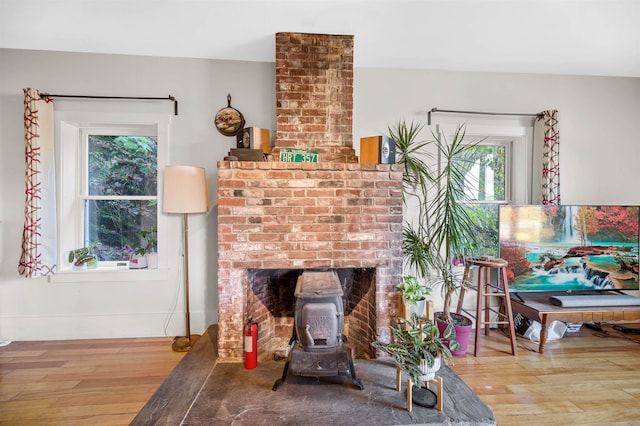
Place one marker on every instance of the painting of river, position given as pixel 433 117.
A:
pixel 570 248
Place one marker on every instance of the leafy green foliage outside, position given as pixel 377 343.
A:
pixel 488 164
pixel 486 227
pixel 120 166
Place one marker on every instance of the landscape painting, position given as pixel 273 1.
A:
pixel 570 248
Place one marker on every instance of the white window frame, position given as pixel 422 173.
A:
pixel 518 162
pixel 71 130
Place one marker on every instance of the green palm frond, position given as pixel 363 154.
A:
pixel 415 248
pixel 416 173
pixel 453 227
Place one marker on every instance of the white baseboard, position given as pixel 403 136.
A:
pixel 104 326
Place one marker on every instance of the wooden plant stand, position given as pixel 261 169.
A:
pixel 436 380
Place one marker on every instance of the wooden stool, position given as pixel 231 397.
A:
pixel 437 380
pixel 485 291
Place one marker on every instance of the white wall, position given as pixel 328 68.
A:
pixel 599 149
pixel 599 156
pixel 39 309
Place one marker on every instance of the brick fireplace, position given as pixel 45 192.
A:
pixel 277 219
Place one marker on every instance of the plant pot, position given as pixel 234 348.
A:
pixel 152 260
pixel 429 373
pixel 418 307
pixel 137 261
pixel 462 326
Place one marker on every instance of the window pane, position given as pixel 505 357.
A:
pixel 113 227
pixel 484 170
pixel 485 222
pixel 122 165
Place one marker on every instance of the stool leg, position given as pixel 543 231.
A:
pixel 487 302
pixel 480 297
pixel 507 299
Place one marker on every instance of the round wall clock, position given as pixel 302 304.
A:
pixel 229 121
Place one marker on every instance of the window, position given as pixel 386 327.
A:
pixel 497 171
pixel 108 185
pixel 487 186
pixel 485 172
pixel 119 190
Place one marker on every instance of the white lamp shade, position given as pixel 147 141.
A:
pixel 185 190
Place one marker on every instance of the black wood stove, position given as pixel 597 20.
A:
pixel 318 347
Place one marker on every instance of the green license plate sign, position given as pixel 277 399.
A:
pixel 290 155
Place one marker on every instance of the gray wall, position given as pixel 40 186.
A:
pixel 599 156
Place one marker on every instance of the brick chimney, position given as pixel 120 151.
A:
pixel 314 94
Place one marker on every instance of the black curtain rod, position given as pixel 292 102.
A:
pixel 435 109
pixel 168 98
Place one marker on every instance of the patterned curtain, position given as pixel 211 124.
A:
pixel 39 235
pixel 546 159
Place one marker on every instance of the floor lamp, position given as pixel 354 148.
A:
pixel 185 191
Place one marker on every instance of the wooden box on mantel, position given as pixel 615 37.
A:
pixel 377 150
pixel 254 138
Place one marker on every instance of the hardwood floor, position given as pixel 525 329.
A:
pixel 585 378
pixel 81 382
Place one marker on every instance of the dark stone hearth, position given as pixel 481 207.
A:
pixel 227 393
pixel 171 401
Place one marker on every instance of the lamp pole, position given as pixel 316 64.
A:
pixel 185 225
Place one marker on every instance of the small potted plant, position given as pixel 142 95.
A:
pixel 82 258
pixel 418 347
pixel 414 295
pixel 144 254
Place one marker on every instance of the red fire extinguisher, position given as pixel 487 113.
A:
pixel 250 345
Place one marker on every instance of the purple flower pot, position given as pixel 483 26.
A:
pixel 462 326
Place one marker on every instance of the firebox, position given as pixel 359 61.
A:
pixel 317 347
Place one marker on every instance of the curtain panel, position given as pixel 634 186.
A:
pixel 39 235
pixel 546 159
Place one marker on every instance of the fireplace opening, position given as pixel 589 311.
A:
pixel 271 303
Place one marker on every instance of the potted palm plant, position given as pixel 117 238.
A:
pixel 442 230
pixel 451 233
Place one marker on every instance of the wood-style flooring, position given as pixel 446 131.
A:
pixel 584 378
pixel 81 382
